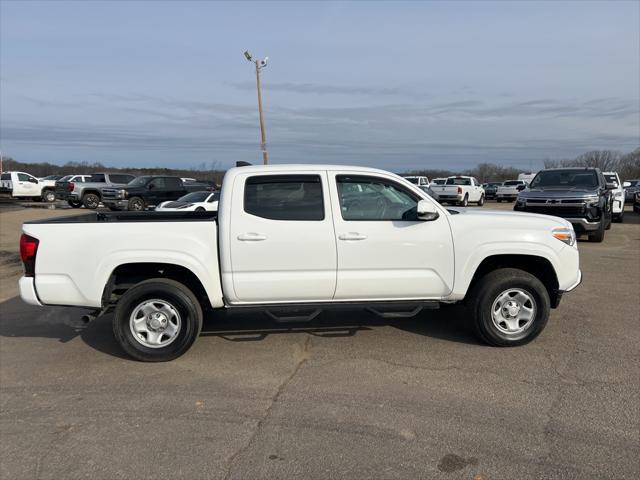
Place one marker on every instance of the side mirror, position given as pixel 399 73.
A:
pixel 611 185
pixel 427 211
pixel 151 186
pixel 521 187
pixel 626 184
pixel 33 180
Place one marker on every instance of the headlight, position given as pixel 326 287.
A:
pixel 619 194
pixel 122 193
pixel 566 235
pixel 592 201
pixel 520 201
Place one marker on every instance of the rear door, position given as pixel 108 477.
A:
pixel 282 238
pixel 174 188
pixel 384 251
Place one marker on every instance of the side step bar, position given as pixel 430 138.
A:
pixel 305 312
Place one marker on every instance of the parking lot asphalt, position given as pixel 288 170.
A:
pixel 349 396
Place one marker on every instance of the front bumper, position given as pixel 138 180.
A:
pixel 113 203
pixel 28 291
pixel 555 301
pixel 583 225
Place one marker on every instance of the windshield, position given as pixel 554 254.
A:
pixel 439 181
pixel 52 177
pixel 566 178
pixel 611 179
pixel 194 197
pixel 66 178
pixel 458 181
pixel 139 181
pixel 512 183
pixel 413 180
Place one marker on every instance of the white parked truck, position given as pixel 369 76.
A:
pixel 294 240
pixel 460 190
pixel 509 190
pixel 23 186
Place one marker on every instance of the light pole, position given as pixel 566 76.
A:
pixel 260 64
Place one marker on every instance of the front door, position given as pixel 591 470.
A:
pixel 27 186
pixel 384 251
pixel 282 239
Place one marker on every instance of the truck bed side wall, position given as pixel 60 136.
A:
pixel 75 261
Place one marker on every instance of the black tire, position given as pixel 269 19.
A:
pixel 619 217
pixel 175 293
pixel 499 200
pixel 49 196
pixel 465 201
pixel 136 204
pixel 74 204
pixel 598 235
pixel 200 209
pixel 481 201
pixel 91 201
pixel 480 301
pixel 114 209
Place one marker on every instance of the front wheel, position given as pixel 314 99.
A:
pixel 157 320
pixel 91 201
pixel 510 307
pixel 136 204
pixel 481 201
pixel 200 209
pixel 598 235
pixel 619 217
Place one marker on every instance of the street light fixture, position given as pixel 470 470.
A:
pixel 260 64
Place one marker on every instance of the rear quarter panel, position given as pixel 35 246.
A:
pixel 75 260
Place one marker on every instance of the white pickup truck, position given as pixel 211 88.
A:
pixel 460 190
pixel 294 240
pixel 509 190
pixel 21 185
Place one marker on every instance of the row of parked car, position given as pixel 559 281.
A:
pixel 116 191
pixel 588 198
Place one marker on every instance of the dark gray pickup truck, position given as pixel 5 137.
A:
pixel 580 195
pixel 89 193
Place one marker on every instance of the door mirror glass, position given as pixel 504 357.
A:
pixel 611 185
pixel 626 184
pixel 521 187
pixel 427 211
pixel 151 186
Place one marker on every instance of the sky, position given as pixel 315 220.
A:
pixel 394 85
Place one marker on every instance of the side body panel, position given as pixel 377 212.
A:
pixel 76 272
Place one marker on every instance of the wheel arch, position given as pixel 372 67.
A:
pixel 538 266
pixel 127 275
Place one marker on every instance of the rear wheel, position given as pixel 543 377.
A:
pixel 465 201
pixel 200 209
pixel 157 320
pixel 136 204
pixel 481 201
pixel 510 307
pixel 49 196
pixel 91 201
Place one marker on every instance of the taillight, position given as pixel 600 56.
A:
pixel 70 186
pixel 459 189
pixel 28 251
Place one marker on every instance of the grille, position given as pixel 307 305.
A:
pixel 559 211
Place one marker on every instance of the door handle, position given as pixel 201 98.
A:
pixel 251 237
pixel 352 236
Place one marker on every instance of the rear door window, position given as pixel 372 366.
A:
pixel 284 197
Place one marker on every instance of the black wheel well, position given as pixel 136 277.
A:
pixel 96 192
pixel 539 267
pixel 130 274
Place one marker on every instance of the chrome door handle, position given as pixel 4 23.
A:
pixel 352 236
pixel 251 237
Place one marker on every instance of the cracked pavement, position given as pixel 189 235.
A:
pixel 347 396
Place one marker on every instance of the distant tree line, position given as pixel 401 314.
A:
pixel 627 165
pixel 43 169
